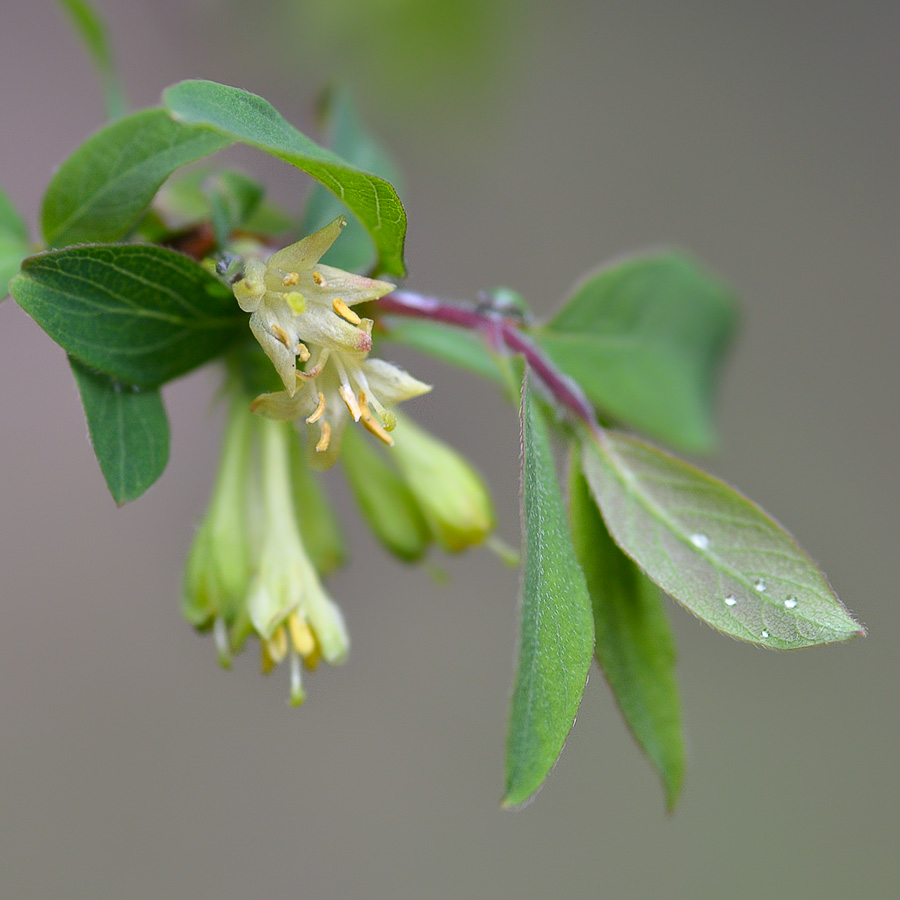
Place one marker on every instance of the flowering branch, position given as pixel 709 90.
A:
pixel 502 334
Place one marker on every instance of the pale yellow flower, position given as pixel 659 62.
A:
pixel 294 301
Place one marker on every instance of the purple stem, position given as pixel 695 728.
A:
pixel 501 333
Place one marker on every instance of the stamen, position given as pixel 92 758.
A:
pixel 303 352
pixel 291 279
pixel 350 400
pixel 319 411
pixel 280 334
pixel 325 440
pixel 344 311
pixel 297 695
pixel 319 364
pixel 302 637
pixel 220 632
pixel 373 426
pixel 319 280
pixel 274 650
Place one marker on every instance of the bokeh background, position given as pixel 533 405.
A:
pixel 537 140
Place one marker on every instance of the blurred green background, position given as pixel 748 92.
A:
pixel 537 140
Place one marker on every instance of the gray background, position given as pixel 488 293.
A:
pixel 762 136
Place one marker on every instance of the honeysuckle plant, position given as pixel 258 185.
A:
pixel 145 272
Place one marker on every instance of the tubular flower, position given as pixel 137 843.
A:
pixel 294 300
pixel 288 607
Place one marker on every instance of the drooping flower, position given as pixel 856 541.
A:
pixel 294 300
pixel 340 386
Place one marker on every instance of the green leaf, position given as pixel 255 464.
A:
pixel 457 346
pixel 384 499
pixel 241 116
pixel 635 648
pixel 129 431
pixel 13 242
pixel 645 340
pixel 140 314
pixel 349 138
pixel 101 190
pixel 556 630
pixel 92 31
pixel 711 549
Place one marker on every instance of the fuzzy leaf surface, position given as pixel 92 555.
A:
pixel 241 116
pixel 141 314
pixel 711 549
pixel 645 340
pixel 349 138
pixel 99 193
pixel 556 637
pixel 634 644
pixel 129 431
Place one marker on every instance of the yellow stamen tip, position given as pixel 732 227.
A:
pixel 303 352
pixel 350 400
pixel 325 439
pixel 280 335
pixel 344 311
pixel 291 279
pixel 319 411
pixel 302 636
pixel 373 426
pixel 319 280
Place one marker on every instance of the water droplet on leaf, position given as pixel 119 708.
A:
pixel 765 633
pixel 790 603
pixel 759 584
pixel 730 601
pixel 700 540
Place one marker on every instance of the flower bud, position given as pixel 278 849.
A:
pixel 450 493
pixel 384 499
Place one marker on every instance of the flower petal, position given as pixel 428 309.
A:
pixel 391 384
pixel 350 288
pixel 306 253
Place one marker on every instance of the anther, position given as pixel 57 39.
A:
pixel 302 636
pixel 350 400
pixel 373 426
pixel 319 411
pixel 325 439
pixel 291 279
pixel 280 335
pixel 303 352
pixel 344 311
pixel 319 280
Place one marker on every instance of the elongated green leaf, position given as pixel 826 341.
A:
pixel 712 549
pixel 13 242
pixel 100 191
pixel 556 638
pixel 348 137
pixel 645 340
pixel 140 314
pixel 384 499
pixel 241 116
pixel 635 648
pixel 129 431
pixel 92 31
pixel 445 342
